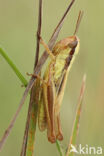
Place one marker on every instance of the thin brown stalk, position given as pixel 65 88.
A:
pixel 36 71
pixel 38 33
pixel 8 130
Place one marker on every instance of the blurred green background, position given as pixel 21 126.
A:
pixel 18 23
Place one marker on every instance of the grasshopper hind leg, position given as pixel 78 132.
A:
pixel 49 100
pixel 59 135
pixel 49 105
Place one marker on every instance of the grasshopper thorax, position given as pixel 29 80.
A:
pixel 70 42
pixel 65 44
pixel 64 51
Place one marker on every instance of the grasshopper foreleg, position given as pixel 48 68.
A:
pixel 47 49
pixel 38 77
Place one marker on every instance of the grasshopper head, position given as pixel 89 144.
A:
pixel 70 42
pixel 73 41
pixel 74 44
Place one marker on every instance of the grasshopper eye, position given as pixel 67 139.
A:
pixel 73 44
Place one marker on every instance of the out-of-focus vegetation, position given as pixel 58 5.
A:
pixel 18 23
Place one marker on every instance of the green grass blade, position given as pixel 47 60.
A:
pixel 31 132
pixel 77 119
pixel 59 148
pixel 13 66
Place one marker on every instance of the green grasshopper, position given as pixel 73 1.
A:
pixel 54 82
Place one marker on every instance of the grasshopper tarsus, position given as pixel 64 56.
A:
pixel 29 74
pixel 52 138
pixel 59 137
pixel 38 77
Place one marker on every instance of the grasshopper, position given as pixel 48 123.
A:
pixel 54 82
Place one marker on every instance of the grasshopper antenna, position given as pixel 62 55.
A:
pixel 78 21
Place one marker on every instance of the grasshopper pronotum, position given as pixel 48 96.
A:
pixel 54 82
